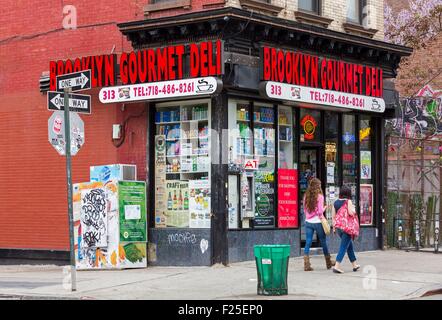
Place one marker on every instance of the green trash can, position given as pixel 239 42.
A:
pixel 272 262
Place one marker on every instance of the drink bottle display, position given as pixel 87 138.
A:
pixel 175 201
pixel 186 201
pixel 169 202
pixel 180 201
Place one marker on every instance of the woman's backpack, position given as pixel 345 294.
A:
pixel 346 222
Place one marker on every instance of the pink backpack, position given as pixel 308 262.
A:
pixel 346 222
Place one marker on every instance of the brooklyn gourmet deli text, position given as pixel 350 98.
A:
pixel 311 71
pixel 148 65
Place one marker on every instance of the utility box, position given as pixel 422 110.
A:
pixel 110 225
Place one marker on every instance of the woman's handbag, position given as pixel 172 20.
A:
pixel 347 222
pixel 325 226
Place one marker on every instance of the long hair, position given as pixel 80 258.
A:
pixel 345 192
pixel 311 194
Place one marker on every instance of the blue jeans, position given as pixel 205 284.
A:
pixel 310 228
pixel 346 246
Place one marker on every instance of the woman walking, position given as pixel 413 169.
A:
pixel 346 238
pixel 314 210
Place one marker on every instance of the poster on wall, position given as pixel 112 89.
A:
pixel 264 199
pixel 160 181
pixel 176 215
pixel 287 198
pixel 366 204
pixel 132 206
pixel 331 195
pixel 197 201
pixel 366 165
pixel 330 172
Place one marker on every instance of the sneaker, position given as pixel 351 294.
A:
pixel 335 270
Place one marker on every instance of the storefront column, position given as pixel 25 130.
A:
pixel 219 179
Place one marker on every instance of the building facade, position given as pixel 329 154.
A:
pixel 287 91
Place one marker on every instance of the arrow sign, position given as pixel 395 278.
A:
pixel 76 81
pixel 80 103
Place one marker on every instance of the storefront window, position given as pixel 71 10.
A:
pixel 331 160
pixel 264 140
pixel 366 170
pixel 252 151
pixel 287 145
pixel 310 129
pixel 182 165
pixel 348 153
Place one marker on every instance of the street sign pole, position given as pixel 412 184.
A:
pixel 67 129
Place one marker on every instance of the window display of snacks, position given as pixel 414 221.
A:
pixel 187 133
pixel 167 116
pixel 285 135
pixel 264 138
pixel 264 115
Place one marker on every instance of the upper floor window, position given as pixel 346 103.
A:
pixel 309 5
pixel 355 9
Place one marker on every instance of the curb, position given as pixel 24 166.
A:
pixel 424 292
pixel 13 296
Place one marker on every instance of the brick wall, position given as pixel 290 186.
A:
pixel 335 10
pixel 33 206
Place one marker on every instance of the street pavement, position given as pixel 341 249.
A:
pixel 386 275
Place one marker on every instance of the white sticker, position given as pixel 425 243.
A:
pixel 204 245
pixel 266 261
pixel 132 212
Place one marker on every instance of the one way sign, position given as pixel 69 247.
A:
pixel 76 81
pixel 80 103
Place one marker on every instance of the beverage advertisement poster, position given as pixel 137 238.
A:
pixel 177 211
pixel 366 165
pixel 287 198
pixel 265 197
pixel 160 181
pixel 132 207
pixel 198 203
pixel 366 204
pixel 331 172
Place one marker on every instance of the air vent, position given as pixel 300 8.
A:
pixel 44 83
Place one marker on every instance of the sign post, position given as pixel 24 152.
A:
pixel 69 183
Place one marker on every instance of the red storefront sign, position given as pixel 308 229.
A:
pixel 311 71
pixel 148 65
pixel 287 198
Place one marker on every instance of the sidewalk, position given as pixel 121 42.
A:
pixel 384 275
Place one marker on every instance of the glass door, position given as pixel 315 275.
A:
pixel 310 167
